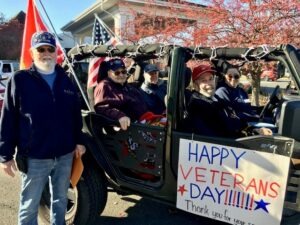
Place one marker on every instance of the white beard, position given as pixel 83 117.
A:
pixel 45 66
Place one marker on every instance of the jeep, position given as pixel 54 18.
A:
pixel 145 159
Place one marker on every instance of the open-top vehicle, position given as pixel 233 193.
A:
pixel 190 171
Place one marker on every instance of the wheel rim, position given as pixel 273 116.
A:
pixel 72 203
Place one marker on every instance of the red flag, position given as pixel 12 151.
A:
pixel 100 36
pixel 33 23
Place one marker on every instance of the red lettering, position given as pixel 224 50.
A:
pixel 238 181
pixel 252 184
pixel 263 187
pixel 275 192
pixel 223 179
pixel 213 175
pixel 198 176
pixel 185 176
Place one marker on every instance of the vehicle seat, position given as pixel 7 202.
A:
pixel 185 95
pixel 187 92
pixel 135 73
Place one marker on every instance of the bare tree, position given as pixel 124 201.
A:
pixel 11 39
pixel 2 18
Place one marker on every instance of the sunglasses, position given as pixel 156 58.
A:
pixel 117 73
pixel 236 77
pixel 48 49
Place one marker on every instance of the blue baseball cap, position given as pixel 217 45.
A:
pixel 115 64
pixel 233 71
pixel 151 68
pixel 42 38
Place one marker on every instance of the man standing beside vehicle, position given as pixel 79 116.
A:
pixel 41 117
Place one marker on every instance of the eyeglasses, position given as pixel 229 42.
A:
pixel 236 77
pixel 48 49
pixel 117 73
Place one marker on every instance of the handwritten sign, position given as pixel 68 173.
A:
pixel 233 185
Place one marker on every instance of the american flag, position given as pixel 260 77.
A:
pixel 101 36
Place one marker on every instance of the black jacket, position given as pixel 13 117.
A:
pixel 208 116
pixel 42 123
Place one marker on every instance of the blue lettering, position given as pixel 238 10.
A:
pixel 204 153
pixel 194 188
pixel 224 155
pixel 219 194
pixel 214 153
pixel 237 158
pixel 207 192
pixel 195 154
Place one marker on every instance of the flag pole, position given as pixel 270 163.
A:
pixel 54 31
pixel 68 61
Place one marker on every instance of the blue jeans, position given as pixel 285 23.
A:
pixel 40 171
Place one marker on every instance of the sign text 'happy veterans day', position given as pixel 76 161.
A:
pixel 233 185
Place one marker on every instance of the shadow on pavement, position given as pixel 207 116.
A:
pixel 146 212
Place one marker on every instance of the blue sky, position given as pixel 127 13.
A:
pixel 60 11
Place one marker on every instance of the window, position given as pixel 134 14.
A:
pixel 6 68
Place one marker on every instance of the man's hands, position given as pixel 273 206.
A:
pixel 79 150
pixel 124 122
pixel 9 167
pixel 264 131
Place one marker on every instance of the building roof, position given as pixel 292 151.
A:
pixel 105 9
pixel 20 17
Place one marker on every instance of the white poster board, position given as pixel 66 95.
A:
pixel 233 185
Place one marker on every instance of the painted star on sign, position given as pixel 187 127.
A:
pixel 182 189
pixel 262 205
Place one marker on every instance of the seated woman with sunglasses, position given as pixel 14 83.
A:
pixel 116 99
pixel 229 93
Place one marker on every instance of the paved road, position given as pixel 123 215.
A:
pixel 120 210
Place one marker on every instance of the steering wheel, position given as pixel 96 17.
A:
pixel 272 100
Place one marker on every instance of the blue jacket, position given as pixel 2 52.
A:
pixel 154 96
pixel 238 99
pixel 42 123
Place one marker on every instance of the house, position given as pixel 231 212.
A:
pixel 119 14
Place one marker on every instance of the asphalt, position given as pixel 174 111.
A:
pixel 120 210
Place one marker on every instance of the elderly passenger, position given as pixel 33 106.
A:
pixel 154 90
pixel 207 115
pixel 116 99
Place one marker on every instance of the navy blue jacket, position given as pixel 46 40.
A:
pixel 42 123
pixel 154 96
pixel 238 99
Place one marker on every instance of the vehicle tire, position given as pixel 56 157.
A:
pixel 85 202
